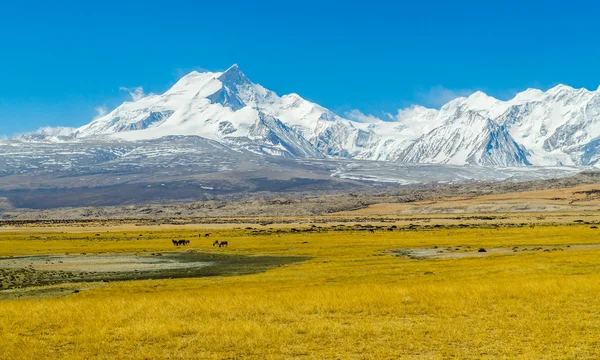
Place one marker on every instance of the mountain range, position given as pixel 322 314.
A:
pixel 558 127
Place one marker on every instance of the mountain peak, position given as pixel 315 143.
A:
pixel 560 88
pixel 478 94
pixel 233 76
pixel 233 70
pixel 528 95
pixel 481 97
pixel 481 100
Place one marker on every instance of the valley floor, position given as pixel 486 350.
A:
pixel 351 292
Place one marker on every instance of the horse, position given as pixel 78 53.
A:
pixel 216 243
pixel 175 242
pixel 223 243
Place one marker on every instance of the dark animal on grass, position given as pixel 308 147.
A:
pixel 216 243
pixel 223 243
pixel 206 235
pixel 372 231
pixel 180 242
pixel 175 242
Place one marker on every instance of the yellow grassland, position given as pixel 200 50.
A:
pixel 352 300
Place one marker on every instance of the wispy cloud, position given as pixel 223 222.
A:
pixel 100 111
pixel 426 103
pixel 357 115
pixel 135 93
pixel 440 95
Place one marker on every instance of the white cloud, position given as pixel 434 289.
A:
pixel 439 95
pixel 415 111
pixel 135 93
pixel 432 99
pixel 100 111
pixel 356 115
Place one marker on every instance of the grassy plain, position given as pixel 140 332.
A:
pixel 353 299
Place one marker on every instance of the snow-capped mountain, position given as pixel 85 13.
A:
pixel 557 127
pixel 485 143
pixel 229 108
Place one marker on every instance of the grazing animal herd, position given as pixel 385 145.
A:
pixel 187 242
pixel 180 242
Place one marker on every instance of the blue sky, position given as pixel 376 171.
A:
pixel 61 60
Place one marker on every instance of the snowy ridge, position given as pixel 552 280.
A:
pixel 558 127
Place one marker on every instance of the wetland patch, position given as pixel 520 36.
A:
pixel 31 271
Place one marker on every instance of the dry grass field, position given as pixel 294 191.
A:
pixel 352 297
